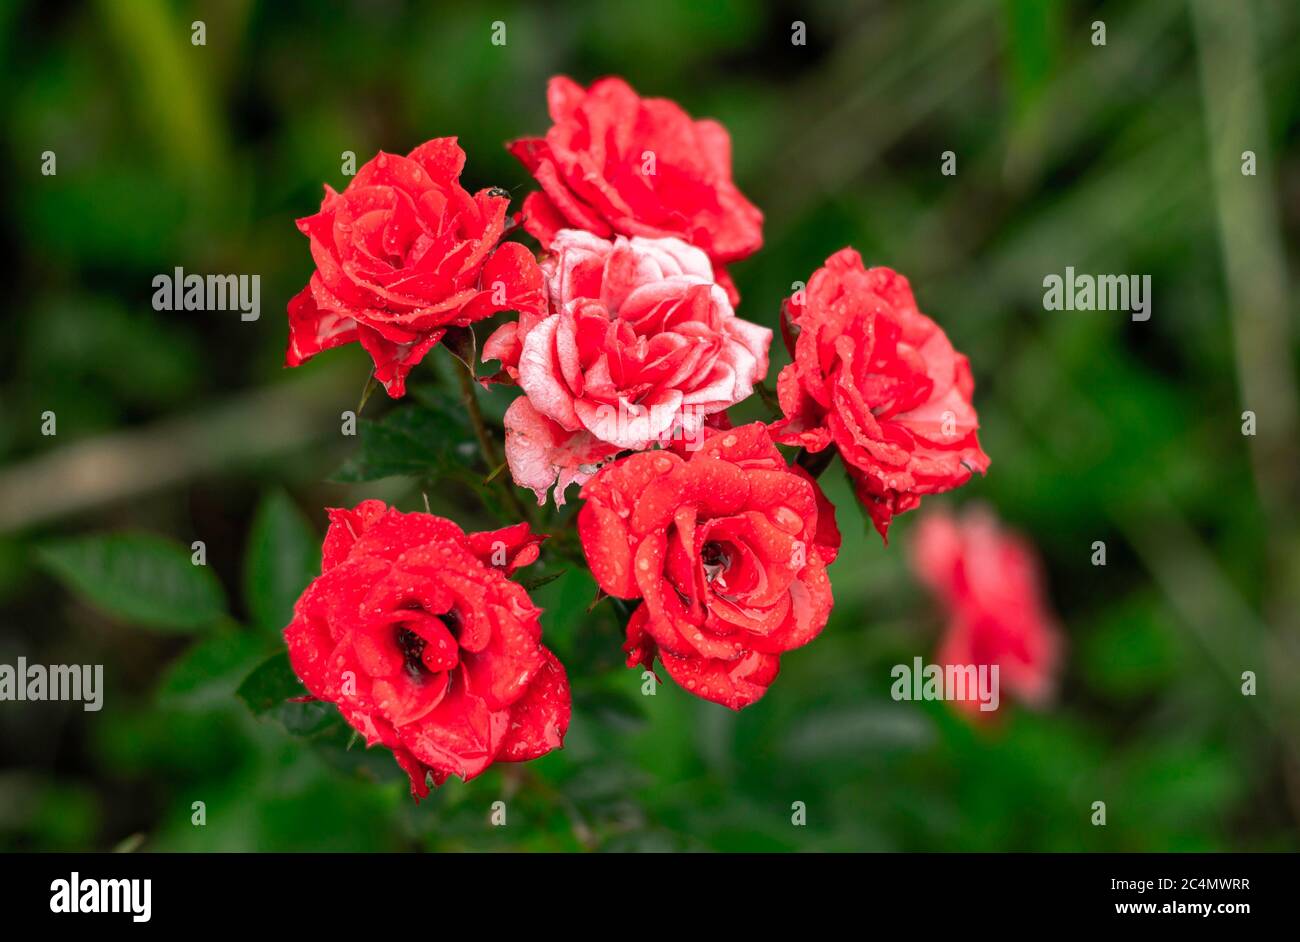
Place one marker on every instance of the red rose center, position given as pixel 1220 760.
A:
pixel 715 560
pixel 425 654
pixel 412 647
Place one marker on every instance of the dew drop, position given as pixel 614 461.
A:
pixel 787 519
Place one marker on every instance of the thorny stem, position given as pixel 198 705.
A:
pixel 564 539
pixel 491 456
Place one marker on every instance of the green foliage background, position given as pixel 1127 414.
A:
pixel 175 427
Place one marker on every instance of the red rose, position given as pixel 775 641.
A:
pixel 614 162
pixel 401 255
pixel 880 380
pixel 990 583
pixel 642 347
pixel 414 631
pixel 728 550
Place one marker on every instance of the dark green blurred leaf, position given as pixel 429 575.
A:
pixel 425 440
pixel 139 578
pixel 831 734
pixel 272 691
pixel 208 674
pixel 283 557
pixel 616 708
pixel 270 684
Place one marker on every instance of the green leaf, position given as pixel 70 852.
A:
pixel 210 671
pixel 612 707
pixel 138 578
pixel 272 690
pixel 270 684
pixel 283 557
pixel 429 439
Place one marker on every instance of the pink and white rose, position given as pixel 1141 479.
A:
pixel 640 346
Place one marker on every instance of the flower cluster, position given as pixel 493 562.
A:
pixel 627 351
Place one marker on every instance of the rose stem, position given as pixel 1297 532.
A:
pixel 816 463
pixel 490 454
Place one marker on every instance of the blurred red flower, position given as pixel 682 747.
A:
pixel 991 586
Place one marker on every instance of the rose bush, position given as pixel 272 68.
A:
pixel 616 163
pixel 626 340
pixel 727 550
pixel 640 346
pixel 878 379
pixel 414 630
pixel 403 253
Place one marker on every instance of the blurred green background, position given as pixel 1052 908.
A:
pixel 1122 158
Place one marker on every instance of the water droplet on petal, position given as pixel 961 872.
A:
pixel 787 519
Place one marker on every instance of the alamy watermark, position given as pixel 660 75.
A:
pixel 182 292
pixel 73 682
pixel 1072 292
pixel 77 895
pixel 960 682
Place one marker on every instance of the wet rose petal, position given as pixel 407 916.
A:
pixel 641 347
